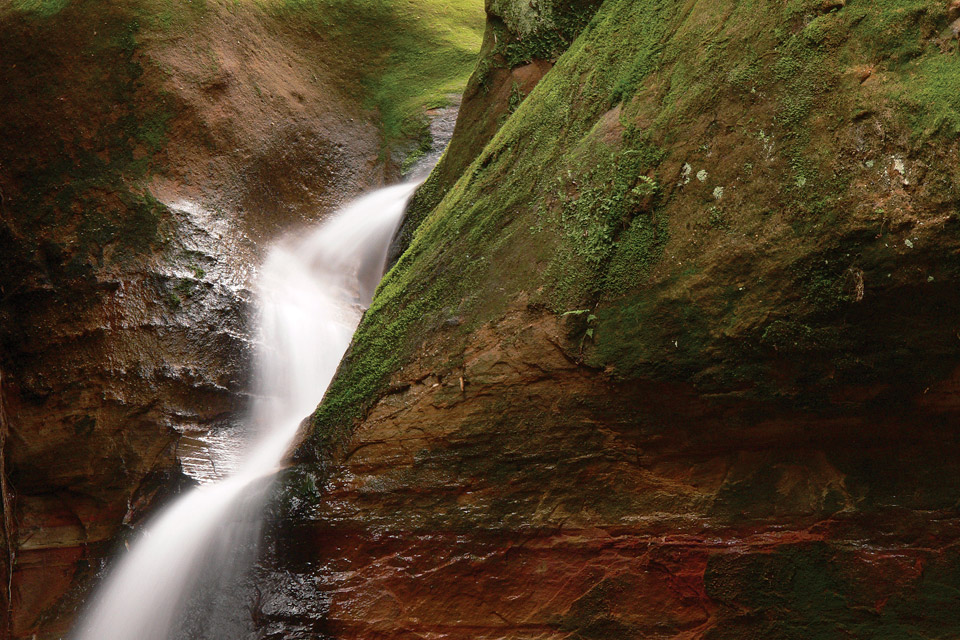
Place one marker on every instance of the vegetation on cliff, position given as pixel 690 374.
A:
pixel 809 141
pixel 679 346
pixel 90 113
pixel 405 56
pixel 520 44
pixel 114 130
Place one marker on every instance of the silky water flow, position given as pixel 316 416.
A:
pixel 312 293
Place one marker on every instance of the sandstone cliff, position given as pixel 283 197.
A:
pixel 148 152
pixel 676 356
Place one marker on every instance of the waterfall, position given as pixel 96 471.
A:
pixel 312 293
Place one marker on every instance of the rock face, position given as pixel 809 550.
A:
pixel 675 357
pixel 145 160
pixel 149 151
pixel 544 499
pixel 521 43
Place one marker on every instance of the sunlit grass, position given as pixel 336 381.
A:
pixel 42 8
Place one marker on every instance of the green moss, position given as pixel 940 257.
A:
pixel 818 591
pixel 508 203
pixel 903 37
pixel 827 286
pixel 607 235
pixel 543 33
pixel 426 198
pixel 645 55
pixel 552 36
pixel 295 492
pixel 788 336
pixel 411 160
pixel 516 97
pixel 171 16
pixel 484 109
pixel 40 8
pixel 567 205
pixel 933 101
pixel 892 32
pixel 422 148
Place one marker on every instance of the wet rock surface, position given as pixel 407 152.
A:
pixel 521 494
pixel 443 121
pixel 129 235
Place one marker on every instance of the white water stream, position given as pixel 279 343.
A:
pixel 312 292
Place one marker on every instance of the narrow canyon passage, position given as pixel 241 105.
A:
pixel 668 347
pixel 311 294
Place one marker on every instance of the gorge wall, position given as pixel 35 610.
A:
pixel 149 151
pixel 675 355
pixel 670 348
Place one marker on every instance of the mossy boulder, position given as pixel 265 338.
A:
pixel 698 177
pixel 675 355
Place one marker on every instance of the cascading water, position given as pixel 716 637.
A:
pixel 311 296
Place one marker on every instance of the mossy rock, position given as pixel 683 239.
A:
pixel 597 192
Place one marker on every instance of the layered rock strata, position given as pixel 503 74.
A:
pixel 675 357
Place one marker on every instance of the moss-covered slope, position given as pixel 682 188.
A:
pixel 716 189
pixel 521 43
pixel 404 56
pixel 676 355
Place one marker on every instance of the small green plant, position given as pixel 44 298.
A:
pixel 411 160
pixel 40 8
pixel 185 288
pixel 516 97
pixel 646 187
pixel 717 219
pixel 590 323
